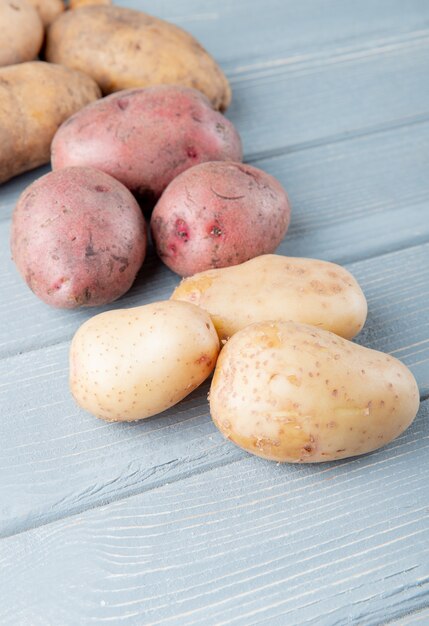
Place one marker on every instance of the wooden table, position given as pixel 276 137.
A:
pixel 165 522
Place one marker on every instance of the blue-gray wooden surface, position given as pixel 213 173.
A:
pixel 164 522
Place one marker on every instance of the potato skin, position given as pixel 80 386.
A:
pixel 21 32
pixel 146 137
pixel 37 97
pixel 121 49
pixel 219 214
pixel 127 365
pixel 48 10
pixel 290 392
pixel 271 286
pixel 77 4
pixel 78 238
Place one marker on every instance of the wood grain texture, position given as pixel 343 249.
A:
pixel 244 30
pixel 80 462
pixel 330 96
pixel 252 542
pixel 419 617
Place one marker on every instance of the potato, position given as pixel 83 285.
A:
pixel 291 392
pixel 146 137
pixel 130 364
pixel 277 287
pixel 77 4
pixel 48 10
pixel 21 32
pixel 121 48
pixel 78 238
pixel 218 214
pixel 35 98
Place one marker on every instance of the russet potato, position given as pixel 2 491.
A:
pixel 35 98
pixel 21 32
pixel 48 10
pixel 122 48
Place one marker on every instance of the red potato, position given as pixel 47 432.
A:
pixel 78 238
pixel 219 214
pixel 146 137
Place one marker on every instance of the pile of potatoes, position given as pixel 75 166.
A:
pixel 91 49
pixel 288 384
pixel 166 149
pixel 160 140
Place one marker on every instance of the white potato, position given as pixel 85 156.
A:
pixel 130 364
pixel 270 287
pixel 291 392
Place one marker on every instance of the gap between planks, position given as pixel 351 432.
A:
pixel 127 524
pixel 232 456
pixel 360 133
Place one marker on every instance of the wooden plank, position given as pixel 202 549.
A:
pixel 286 27
pixel 398 320
pixel 45 325
pixel 57 460
pixel 420 617
pixel 252 542
pixel 291 103
pixel 351 199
